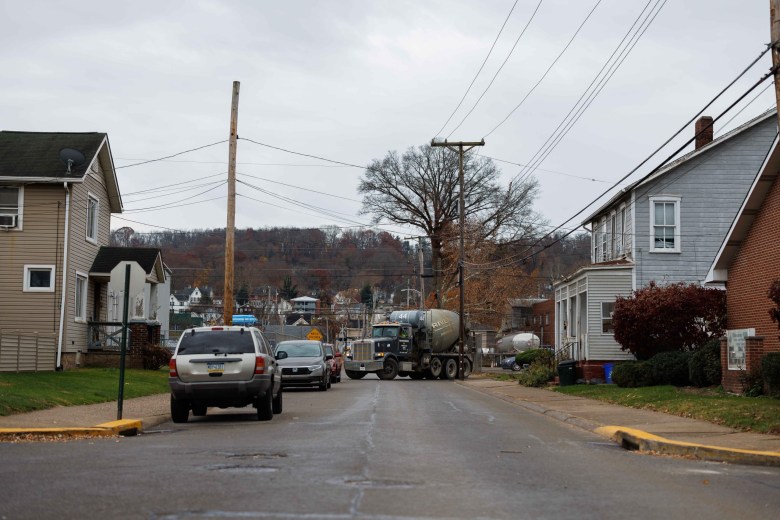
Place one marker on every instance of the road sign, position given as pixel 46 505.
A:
pixel 314 335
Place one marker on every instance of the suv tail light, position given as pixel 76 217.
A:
pixel 172 370
pixel 259 365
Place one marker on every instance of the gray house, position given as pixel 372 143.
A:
pixel 57 193
pixel 666 227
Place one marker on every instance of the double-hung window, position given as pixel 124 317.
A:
pixel 81 297
pixel 92 218
pixel 607 308
pixel 665 224
pixel 10 206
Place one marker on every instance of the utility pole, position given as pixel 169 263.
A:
pixel 774 15
pixel 230 230
pixel 422 277
pixel 460 147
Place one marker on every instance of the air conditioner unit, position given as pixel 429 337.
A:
pixel 7 221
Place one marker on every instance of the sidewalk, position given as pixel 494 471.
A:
pixel 642 430
pixel 634 429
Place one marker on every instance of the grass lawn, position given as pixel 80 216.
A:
pixel 756 414
pixel 29 391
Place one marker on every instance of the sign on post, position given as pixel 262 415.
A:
pixel 314 335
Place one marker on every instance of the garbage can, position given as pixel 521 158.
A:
pixel 608 372
pixel 567 372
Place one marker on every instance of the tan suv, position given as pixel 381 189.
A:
pixel 231 366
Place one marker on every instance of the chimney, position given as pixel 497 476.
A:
pixel 703 131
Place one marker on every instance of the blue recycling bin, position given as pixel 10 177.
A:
pixel 608 372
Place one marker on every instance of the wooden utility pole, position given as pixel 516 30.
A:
pixel 774 15
pixel 230 230
pixel 461 147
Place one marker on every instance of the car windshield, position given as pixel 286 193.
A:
pixel 300 349
pixel 328 350
pixel 216 342
pixel 384 332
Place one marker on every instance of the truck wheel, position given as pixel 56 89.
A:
pixel 435 368
pixel 180 410
pixel 354 374
pixel 466 368
pixel 450 368
pixel 389 370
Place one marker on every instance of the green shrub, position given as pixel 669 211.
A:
pixel 632 374
pixel 704 365
pixel 534 355
pixel 752 382
pixel 536 375
pixel 770 371
pixel 154 357
pixel 670 368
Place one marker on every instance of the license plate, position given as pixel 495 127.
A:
pixel 363 368
pixel 215 367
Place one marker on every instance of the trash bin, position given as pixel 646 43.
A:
pixel 567 372
pixel 608 372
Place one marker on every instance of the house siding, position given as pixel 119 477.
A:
pixel 754 268
pixel 605 286
pixel 39 243
pixel 82 253
pixel 711 189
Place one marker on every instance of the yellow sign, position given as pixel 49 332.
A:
pixel 314 335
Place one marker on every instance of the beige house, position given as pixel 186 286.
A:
pixel 57 193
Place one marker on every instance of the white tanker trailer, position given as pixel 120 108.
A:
pixel 417 344
pixel 517 343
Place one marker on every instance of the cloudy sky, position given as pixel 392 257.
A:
pixel 350 80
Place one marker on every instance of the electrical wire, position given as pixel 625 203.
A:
pixel 512 50
pixel 480 68
pixel 173 155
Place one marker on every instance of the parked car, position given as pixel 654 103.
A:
pixel 509 363
pixel 336 363
pixel 304 363
pixel 229 366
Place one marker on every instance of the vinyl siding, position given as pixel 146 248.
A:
pixel 83 252
pixel 39 243
pixel 711 188
pixel 605 286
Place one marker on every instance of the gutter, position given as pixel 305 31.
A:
pixel 58 365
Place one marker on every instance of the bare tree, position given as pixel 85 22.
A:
pixel 420 188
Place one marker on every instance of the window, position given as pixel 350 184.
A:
pixel 81 297
pixel 39 278
pixel 665 225
pixel 621 228
pixel 92 218
pixel 10 197
pixel 607 308
pixel 612 236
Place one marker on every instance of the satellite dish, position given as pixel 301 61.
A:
pixel 72 157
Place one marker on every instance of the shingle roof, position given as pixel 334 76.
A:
pixel 37 154
pixel 109 257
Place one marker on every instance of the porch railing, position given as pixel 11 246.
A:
pixel 105 335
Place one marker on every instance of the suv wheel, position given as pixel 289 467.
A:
pixel 325 383
pixel 180 410
pixel 265 410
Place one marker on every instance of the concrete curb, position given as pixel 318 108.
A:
pixel 633 439
pixel 644 442
pixel 124 427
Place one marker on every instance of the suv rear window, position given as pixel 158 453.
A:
pixel 217 341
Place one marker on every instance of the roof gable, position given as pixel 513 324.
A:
pixel 149 258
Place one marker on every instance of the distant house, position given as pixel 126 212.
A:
pixel 747 262
pixel 666 227
pixel 306 305
pixel 151 318
pixel 57 193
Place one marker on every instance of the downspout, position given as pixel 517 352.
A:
pixel 58 366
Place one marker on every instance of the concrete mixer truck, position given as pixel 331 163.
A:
pixel 417 344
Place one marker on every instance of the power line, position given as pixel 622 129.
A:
pixel 512 50
pixel 548 68
pixel 480 69
pixel 173 155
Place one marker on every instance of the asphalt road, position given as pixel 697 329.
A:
pixel 377 450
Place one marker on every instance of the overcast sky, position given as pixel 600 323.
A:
pixel 351 80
